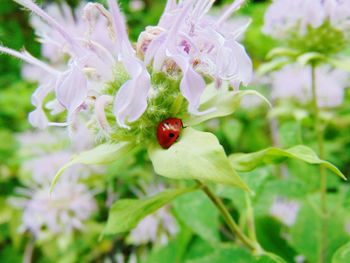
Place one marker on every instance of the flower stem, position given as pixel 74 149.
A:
pixel 250 219
pixel 252 245
pixel 323 178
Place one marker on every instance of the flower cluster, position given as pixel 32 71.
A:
pixel 294 81
pixel 312 24
pixel 92 70
pixel 71 202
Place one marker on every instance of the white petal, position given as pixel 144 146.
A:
pixel 71 90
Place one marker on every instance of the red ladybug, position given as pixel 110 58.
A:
pixel 168 131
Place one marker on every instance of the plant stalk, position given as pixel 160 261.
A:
pixel 250 219
pixel 323 178
pixel 252 245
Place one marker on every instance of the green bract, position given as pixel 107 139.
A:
pixel 197 155
pixel 102 154
pixel 165 101
pixel 325 39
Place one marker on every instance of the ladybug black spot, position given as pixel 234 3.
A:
pixel 171 135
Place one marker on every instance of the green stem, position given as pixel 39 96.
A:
pixel 250 219
pixel 323 179
pixel 252 245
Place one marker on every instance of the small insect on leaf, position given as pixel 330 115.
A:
pixel 168 132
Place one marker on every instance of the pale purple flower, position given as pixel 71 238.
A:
pixel 157 227
pixel 347 227
pixel 285 210
pixel 62 211
pixel 136 5
pixel 299 259
pixel 294 81
pixel 82 23
pixel 86 53
pixel 131 100
pixel 95 44
pixel 285 15
pixel 187 38
pixel 71 202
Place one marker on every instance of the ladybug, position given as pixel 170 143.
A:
pixel 168 132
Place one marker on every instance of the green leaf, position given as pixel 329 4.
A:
pixel 282 52
pixel 226 255
pixel 270 235
pixel 197 212
pixel 102 154
pixel 272 155
pixel 223 102
pixel 341 64
pixel 173 252
pixel 342 254
pixel 310 57
pixel 273 65
pixel 229 254
pixel 305 234
pixel 125 214
pixel 198 249
pixel 197 155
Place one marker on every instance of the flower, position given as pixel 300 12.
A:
pixel 188 39
pixel 157 227
pixel 189 67
pixel 94 72
pixel 136 5
pixel 294 81
pixel 285 210
pixel 311 26
pixel 70 203
pixel 65 209
pixel 285 15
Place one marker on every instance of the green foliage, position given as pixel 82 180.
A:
pixel 270 235
pixel 228 254
pixel 197 212
pixel 197 155
pixel 342 254
pixel 102 154
pixel 247 162
pixel 174 252
pixel 310 221
pixel 324 39
pixel 125 214
pixel 222 103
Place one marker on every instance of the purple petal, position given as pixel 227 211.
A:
pixel 100 105
pixel 37 118
pixel 192 84
pixel 131 100
pixel 52 22
pixel 245 66
pixel 72 89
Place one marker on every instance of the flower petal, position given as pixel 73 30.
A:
pixel 131 100
pixel 245 66
pixel 192 84
pixel 37 118
pixel 71 90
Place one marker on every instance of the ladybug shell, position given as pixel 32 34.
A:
pixel 168 131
